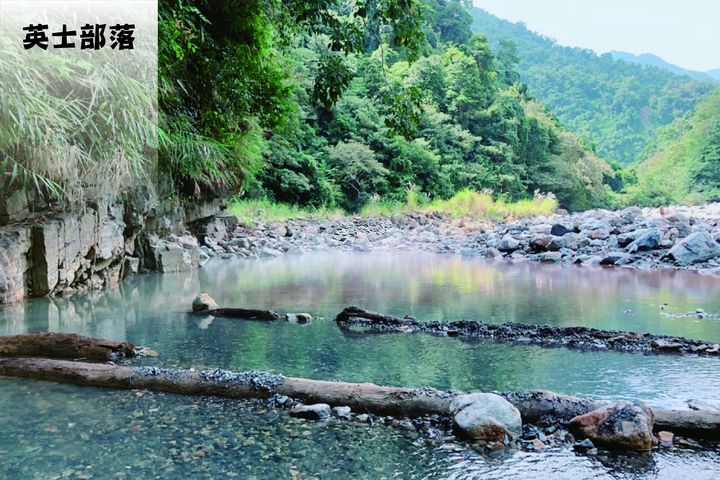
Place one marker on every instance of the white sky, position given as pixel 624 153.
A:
pixel 683 32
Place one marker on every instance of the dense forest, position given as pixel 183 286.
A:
pixel 325 103
pixel 682 165
pixel 350 110
pixel 617 105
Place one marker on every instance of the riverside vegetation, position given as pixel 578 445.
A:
pixel 320 105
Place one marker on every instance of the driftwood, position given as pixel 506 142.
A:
pixel 243 313
pixel 361 397
pixel 64 345
pixel 582 338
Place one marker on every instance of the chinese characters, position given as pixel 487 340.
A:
pixel 92 37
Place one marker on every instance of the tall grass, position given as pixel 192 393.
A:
pixel 72 125
pixel 470 204
pixel 466 203
pixel 249 211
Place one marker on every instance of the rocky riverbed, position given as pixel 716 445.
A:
pixel 675 237
pixel 581 338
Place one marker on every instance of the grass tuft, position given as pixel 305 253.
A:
pixel 249 211
pixel 470 204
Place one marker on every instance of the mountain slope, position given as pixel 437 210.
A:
pixel 714 74
pixel 650 60
pixel 683 164
pixel 617 105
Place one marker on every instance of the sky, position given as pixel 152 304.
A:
pixel 683 32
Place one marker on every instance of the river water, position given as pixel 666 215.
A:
pixel 61 431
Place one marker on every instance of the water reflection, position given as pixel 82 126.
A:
pixel 159 434
pixel 150 310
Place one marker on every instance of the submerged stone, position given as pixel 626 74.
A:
pixel 317 411
pixel 342 412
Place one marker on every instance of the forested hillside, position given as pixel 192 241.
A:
pixel 321 103
pixel 368 103
pixel 651 60
pixel 617 105
pixel 683 164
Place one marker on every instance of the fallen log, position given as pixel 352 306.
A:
pixel 64 345
pixel 361 397
pixel 243 313
pixel 581 338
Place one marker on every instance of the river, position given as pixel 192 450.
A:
pixel 72 432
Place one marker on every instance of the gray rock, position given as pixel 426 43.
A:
pixel 626 238
pixel 696 247
pixel 131 266
pixel 168 257
pixel 486 416
pixel 622 425
pixel 493 253
pixel 240 242
pixel 342 412
pixel 557 243
pixel 13 206
pixel 584 446
pixel 203 302
pixel 317 411
pixel 648 240
pixel 539 243
pixel 630 214
pixel 616 258
pixel 551 257
pixel 508 244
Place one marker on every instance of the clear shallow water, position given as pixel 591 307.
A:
pixel 151 310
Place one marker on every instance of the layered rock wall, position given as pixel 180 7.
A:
pixel 65 253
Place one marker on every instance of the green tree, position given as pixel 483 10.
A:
pixel 357 172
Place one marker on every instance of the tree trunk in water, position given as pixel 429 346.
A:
pixel 64 345
pixel 361 397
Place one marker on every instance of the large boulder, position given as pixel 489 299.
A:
pixel 696 247
pixel 647 240
pixel 486 416
pixel 622 425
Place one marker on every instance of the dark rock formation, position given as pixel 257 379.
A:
pixel 581 338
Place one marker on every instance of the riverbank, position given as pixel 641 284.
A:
pixel 679 237
pixel 63 254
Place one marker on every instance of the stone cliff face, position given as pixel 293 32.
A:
pixel 65 253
